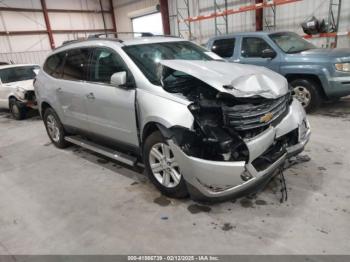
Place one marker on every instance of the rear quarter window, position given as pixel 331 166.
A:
pixel 76 65
pixel 224 47
pixel 53 65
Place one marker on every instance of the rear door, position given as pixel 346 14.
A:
pixel 224 47
pixel 110 109
pixel 71 88
pixel 252 49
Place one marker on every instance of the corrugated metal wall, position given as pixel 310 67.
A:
pixel 289 17
pixel 25 48
pixel 34 48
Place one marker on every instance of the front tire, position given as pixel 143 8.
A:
pixel 55 128
pixel 18 111
pixel 162 168
pixel 307 93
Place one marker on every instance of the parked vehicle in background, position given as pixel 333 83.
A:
pixel 315 74
pixel 209 128
pixel 16 88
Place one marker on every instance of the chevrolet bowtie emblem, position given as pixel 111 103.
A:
pixel 266 118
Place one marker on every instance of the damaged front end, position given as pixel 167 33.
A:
pixel 26 97
pixel 236 143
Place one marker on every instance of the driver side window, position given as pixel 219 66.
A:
pixel 104 64
pixel 254 47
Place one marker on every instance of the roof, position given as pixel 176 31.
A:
pixel 259 33
pixel 16 65
pixel 118 42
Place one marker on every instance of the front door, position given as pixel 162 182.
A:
pixel 110 109
pixel 252 49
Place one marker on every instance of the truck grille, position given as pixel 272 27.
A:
pixel 251 116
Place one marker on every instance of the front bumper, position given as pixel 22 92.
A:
pixel 218 179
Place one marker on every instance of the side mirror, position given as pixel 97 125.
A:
pixel 118 79
pixel 268 53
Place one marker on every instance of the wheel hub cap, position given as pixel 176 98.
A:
pixel 163 165
pixel 302 95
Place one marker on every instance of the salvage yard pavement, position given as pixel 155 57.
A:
pixel 73 201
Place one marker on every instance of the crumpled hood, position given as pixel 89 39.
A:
pixel 25 84
pixel 241 80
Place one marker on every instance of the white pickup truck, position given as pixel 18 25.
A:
pixel 16 88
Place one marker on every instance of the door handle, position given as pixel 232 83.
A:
pixel 90 96
pixel 59 90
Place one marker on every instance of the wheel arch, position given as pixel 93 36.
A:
pixel 311 77
pixel 10 98
pixel 151 127
pixel 44 105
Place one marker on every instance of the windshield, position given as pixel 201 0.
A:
pixel 291 43
pixel 19 73
pixel 147 56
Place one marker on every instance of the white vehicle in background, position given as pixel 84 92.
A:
pixel 16 88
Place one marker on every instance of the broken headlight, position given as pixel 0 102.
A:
pixel 212 140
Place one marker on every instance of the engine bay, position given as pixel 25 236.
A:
pixel 222 121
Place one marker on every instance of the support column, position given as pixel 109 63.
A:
pixel 259 13
pixel 164 10
pixel 47 22
pixel 114 24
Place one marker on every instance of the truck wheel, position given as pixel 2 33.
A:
pixel 18 111
pixel 306 92
pixel 162 168
pixel 54 128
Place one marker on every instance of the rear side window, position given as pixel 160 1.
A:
pixel 18 73
pixel 224 47
pixel 53 65
pixel 254 47
pixel 76 65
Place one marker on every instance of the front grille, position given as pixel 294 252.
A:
pixel 251 116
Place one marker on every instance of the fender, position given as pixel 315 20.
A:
pixel 321 72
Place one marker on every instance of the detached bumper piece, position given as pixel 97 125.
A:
pixel 29 100
pixel 268 151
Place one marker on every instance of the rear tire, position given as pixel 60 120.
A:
pixel 18 111
pixel 54 128
pixel 307 93
pixel 164 173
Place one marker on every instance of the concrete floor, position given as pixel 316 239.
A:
pixel 75 202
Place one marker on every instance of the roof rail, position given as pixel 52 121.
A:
pixel 70 42
pixel 115 34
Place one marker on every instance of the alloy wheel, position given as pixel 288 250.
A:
pixel 52 127
pixel 163 165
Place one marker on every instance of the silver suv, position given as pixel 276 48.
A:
pixel 200 125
